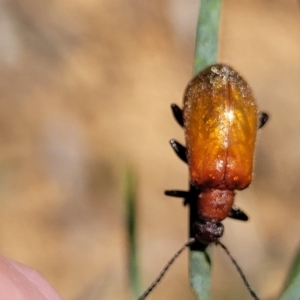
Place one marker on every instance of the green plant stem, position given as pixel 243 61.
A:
pixel 291 290
pixel 133 269
pixel 206 51
pixel 206 47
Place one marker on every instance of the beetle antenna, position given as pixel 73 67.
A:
pixel 167 266
pixel 249 288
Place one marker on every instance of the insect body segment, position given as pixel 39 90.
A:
pixel 220 120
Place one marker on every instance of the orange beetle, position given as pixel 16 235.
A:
pixel 220 120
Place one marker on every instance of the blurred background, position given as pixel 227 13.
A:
pixel 86 88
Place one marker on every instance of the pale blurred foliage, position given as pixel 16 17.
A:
pixel 85 91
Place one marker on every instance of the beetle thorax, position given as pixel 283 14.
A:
pixel 215 204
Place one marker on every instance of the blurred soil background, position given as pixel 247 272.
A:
pixel 85 90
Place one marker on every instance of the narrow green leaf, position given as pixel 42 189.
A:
pixel 131 228
pixel 206 51
pixel 206 48
pixel 292 286
pixel 200 274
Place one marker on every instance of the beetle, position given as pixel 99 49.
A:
pixel 220 120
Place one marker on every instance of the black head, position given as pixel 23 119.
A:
pixel 207 231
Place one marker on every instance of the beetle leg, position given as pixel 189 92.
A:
pixel 177 113
pixel 263 117
pixel 237 213
pixel 179 194
pixel 179 150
